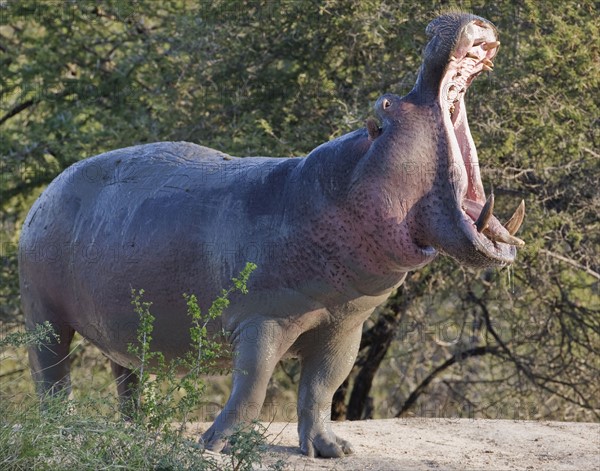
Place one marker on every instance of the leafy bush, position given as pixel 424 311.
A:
pixel 83 436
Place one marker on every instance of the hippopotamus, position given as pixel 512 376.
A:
pixel 332 234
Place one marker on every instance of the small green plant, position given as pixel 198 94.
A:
pixel 170 396
pixel 41 334
pixel 86 438
pixel 247 446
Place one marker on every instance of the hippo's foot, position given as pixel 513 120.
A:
pixel 325 444
pixel 213 440
pixel 221 441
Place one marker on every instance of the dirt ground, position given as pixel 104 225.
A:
pixel 441 444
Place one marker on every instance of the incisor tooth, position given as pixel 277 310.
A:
pixel 488 62
pixel 506 238
pixel 490 45
pixel 472 55
pixel 515 221
pixel 487 67
pixel 486 213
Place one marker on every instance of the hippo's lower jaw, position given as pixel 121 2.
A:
pixel 494 243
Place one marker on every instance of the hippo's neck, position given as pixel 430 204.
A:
pixel 352 233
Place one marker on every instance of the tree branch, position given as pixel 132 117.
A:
pixel 17 109
pixel 457 357
pixel 571 262
pixel 537 379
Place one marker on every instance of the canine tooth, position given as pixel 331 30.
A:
pixel 515 221
pixel 490 45
pixel 486 213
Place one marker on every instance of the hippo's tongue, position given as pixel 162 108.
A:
pixel 469 61
pixel 472 56
pixel 486 222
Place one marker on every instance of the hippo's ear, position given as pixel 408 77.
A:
pixel 373 129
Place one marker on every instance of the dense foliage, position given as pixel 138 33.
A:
pixel 280 77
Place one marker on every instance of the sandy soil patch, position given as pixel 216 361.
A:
pixel 429 444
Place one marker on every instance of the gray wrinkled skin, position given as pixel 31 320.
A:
pixel 332 235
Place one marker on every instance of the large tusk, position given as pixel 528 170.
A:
pixel 515 221
pixel 486 213
pixel 506 238
pixel 490 45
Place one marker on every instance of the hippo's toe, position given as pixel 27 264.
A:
pixel 325 445
pixel 213 441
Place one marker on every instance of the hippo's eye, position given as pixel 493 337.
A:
pixel 386 103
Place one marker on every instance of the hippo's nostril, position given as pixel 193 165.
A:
pixel 386 103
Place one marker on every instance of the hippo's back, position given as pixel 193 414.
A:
pixel 167 218
pixel 112 196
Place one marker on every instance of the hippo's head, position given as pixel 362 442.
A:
pixel 426 151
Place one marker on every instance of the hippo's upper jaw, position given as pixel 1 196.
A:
pixel 462 46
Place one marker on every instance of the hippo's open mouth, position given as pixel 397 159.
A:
pixel 475 48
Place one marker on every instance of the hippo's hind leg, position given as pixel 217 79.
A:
pixel 327 357
pixel 127 388
pixel 50 363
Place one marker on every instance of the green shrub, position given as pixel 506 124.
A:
pixel 84 436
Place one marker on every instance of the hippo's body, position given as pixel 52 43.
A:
pixel 332 234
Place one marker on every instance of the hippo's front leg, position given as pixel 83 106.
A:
pixel 258 345
pixel 326 362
